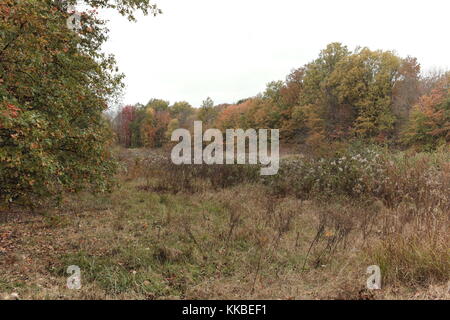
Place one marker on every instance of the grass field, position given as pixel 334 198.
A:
pixel 157 238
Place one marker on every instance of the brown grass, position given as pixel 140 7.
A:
pixel 154 239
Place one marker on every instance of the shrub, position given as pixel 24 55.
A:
pixel 190 177
pixel 421 180
pixel 350 173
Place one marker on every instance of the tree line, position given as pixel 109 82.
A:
pixel 343 95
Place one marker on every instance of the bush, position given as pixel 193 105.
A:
pixel 421 180
pixel 191 177
pixel 350 173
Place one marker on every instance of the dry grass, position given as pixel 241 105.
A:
pixel 210 239
pixel 414 260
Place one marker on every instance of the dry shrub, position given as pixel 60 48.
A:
pixel 422 180
pixel 335 224
pixel 350 173
pixel 192 178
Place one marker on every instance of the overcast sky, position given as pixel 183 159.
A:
pixel 230 49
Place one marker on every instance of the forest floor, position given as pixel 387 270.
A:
pixel 137 243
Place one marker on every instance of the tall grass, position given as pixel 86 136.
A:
pixel 397 202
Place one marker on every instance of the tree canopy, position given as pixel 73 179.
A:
pixel 343 95
pixel 55 85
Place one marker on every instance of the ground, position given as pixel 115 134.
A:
pixel 136 243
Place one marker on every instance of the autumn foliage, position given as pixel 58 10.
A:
pixel 54 88
pixel 364 95
pixel 429 125
pixel 149 125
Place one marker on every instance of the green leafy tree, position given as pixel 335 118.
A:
pixel 208 113
pixel 158 105
pixel 135 126
pixel 352 93
pixel 182 111
pixel 319 95
pixel 363 84
pixel 54 88
pixel 174 124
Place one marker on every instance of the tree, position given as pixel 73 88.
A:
pixel 406 91
pixel 125 119
pixel 207 113
pixel 182 111
pixel 363 84
pixel 429 124
pixel 236 116
pixel 154 127
pixel 273 91
pixel 135 126
pixel 158 105
pixel 292 126
pixel 208 103
pixel 353 93
pixel 319 94
pixel 174 124
pixel 54 88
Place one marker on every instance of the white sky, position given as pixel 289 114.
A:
pixel 230 49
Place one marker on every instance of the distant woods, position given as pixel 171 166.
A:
pixel 343 95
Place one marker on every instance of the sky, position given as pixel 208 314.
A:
pixel 230 49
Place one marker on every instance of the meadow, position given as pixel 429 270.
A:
pixel 86 179
pixel 225 232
